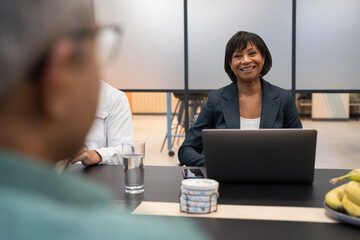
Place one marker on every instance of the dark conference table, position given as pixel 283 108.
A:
pixel 162 185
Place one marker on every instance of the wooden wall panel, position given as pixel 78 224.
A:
pixel 150 102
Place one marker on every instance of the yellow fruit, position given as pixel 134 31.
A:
pixel 350 207
pixel 353 175
pixel 334 197
pixel 352 190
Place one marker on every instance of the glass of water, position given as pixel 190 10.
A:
pixel 133 154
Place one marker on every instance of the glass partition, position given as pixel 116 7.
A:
pixel 327 39
pixel 211 23
pixel 152 51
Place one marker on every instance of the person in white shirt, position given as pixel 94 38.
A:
pixel 112 126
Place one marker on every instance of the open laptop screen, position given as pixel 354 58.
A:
pixel 260 156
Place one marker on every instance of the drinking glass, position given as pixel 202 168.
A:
pixel 133 154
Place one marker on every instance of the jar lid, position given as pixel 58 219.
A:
pixel 200 184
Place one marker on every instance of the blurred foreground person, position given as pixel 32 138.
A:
pixel 48 96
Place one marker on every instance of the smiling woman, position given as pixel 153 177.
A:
pixel 249 102
pixel 247 64
pixel 255 48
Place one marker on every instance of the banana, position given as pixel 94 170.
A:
pixel 352 190
pixel 350 207
pixel 353 175
pixel 334 197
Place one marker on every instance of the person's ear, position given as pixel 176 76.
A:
pixel 55 81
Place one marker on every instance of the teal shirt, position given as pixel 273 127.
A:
pixel 37 203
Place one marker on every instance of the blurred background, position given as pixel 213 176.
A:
pixel 172 55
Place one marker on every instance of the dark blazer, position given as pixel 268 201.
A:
pixel 221 111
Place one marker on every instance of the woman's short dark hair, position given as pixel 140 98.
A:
pixel 239 41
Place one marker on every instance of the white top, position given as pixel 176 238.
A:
pixel 246 123
pixel 112 125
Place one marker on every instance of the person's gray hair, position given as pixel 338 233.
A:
pixel 29 27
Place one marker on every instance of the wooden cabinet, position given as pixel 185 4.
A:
pixel 149 102
pixel 335 106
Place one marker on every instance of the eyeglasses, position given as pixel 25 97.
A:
pixel 107 40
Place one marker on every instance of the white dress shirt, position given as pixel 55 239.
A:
pixel 112 125
pixel 247 123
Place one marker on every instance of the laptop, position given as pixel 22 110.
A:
pixel 260 156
